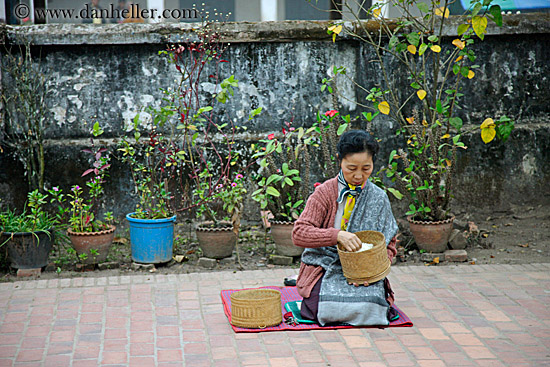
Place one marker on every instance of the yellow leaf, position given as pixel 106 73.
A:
pixel 411 49
pixel 488 134
pixel 471 74
pixel 376 12
pixel 410 120
pixel 459 58
pixel 446 136
pixel 436 260
pixel 442 12
pixel 448 161
pixel 458 43
pixel 435 48
pixel 335 29
pixel 487 123
pixel 384 107
pixel 421 93
pixel 425 123
pixel 479 24
pixel 192 127
pixel 333 37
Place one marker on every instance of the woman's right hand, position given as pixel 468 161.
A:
pixel 349 241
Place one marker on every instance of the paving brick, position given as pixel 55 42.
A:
pixel 26 273
pixel 456 255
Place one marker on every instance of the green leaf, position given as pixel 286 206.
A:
pixel 456 122
pixel 272 191
pixel 423 47
pixel 395 193
pixel 341 129
pixel 413 38
pixel 254 113
pixel 392 154
pixel 415 85
pixel 462 29
pixel 255 193
pixel 272 178
pixel 438 106
pixel 263 163
pixel 433 38
pixel 289 182
pixel 464 71
pixel 423 7
pixel 496 12
pixel 394 41
pixel 476 9
pixel 456 69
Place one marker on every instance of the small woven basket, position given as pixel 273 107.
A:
pixel 371 265
pixel 256 308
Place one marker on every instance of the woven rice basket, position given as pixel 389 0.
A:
pixel 371 265
pixel 256 308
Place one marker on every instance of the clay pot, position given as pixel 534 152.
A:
pixel 100 241
pixel 282 236
pixel 431 236
pixel 216 242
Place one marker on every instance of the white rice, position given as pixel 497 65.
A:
pixel 366 246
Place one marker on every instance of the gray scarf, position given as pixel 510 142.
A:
pixel 340 302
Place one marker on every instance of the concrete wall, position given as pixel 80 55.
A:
pixel 107 72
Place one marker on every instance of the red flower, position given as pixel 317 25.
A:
pixel 271 136
pixel 331 113
pixel 316 184
pixel 284 131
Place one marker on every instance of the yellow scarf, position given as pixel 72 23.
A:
pixel 352 191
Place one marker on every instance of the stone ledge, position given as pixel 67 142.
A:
pixel 235 32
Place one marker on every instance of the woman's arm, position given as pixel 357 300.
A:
pixel 308 231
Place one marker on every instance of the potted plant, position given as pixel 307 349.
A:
pixel 181 154
pixel 28 236
pixel 217 238
pixel 283 182
pixel 90 237
pixel 438 68
pixel 152 223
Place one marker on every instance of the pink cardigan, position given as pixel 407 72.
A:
pixel 315 228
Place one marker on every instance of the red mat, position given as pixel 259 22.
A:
pixel 289 294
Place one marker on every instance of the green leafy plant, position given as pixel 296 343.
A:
pixel 33 219
pixel 438 69
pixel 283 179
pixel 81 215
pixel 24 91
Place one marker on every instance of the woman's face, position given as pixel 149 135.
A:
pixel 357 167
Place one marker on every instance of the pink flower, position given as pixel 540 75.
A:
pixel 238 176
pixel 331 113
pixel 233 184
pixel 291 129
pixel 55 189
pixel 316 184
pixel 271 136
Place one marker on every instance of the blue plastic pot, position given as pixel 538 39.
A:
pixel 152 239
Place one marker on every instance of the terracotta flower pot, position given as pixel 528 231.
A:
pixel 282 236
pixel 431 236
pixel 100 241
pixel 216 242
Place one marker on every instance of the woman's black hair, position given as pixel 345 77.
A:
pixel 357 141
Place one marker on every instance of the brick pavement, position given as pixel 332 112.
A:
pixel 482 315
